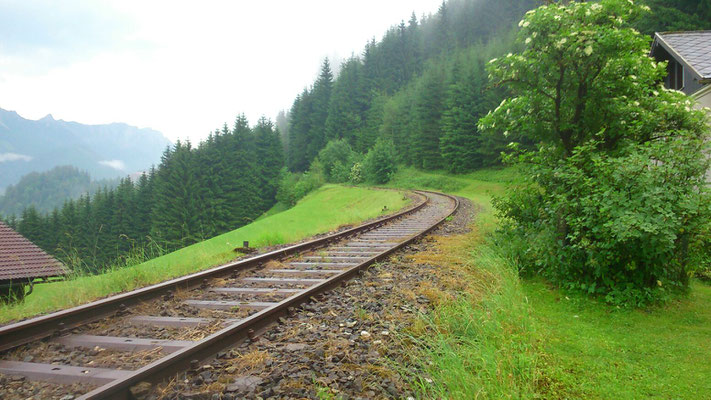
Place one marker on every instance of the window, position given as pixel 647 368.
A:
pixel 675 75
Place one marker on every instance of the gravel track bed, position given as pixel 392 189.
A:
pixel 323 344
pixel 17 387
pixel 346 346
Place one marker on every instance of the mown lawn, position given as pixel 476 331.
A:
pixel 326 209
pixel 507 337
pixel 594 351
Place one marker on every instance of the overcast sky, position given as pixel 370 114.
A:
pixel 180 67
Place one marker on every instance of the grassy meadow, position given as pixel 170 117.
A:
pixel 507 337
pixel 325 209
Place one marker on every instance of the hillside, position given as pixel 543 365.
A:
pixel 49 189
pixel 423 87
pixel 106 151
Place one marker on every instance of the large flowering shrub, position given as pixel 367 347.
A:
pixel 616 202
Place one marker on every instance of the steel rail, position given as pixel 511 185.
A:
pixel 30 330
pixel 249 327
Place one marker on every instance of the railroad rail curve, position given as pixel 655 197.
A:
pixel 238 301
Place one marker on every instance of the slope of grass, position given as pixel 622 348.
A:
pixel 479 343
pixel 597 352
pixel 326 209
pixel 506 337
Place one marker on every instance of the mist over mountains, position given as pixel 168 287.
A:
pixel 104 151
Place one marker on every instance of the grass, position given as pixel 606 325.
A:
pixel 325 209
pixel 597 352
pixel 499 336
pixel 479 342
pixel 477 186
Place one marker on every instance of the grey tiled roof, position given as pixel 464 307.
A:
pixel 694 47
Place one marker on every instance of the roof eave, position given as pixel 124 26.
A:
pixel 658 39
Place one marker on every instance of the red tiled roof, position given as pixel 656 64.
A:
pixel 20 258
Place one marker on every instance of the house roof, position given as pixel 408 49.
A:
pixel 692 48
pixel 20 258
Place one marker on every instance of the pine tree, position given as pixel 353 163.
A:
pixel 464 105
pixel 397 123
pixel 373 120
pixel 70 234
pixel 282 124
pixel 30 226
pixel 299 129
pixel 242 183
pixel 144 204
pixel 123 221
pixel 321 95
pixel 104 242
pixel 270 160
pixel 428 108
pixel 86 227
pixel 177 201
pixel 348 104
pixel 210 176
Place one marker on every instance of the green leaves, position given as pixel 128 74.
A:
pixel 379 163
pixel 616 201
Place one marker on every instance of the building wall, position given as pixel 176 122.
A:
pixel 691 83
pixel 703 100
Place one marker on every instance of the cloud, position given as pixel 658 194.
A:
pixel 38 35
pixel 14 157
pixel 115 164
pixel 144 62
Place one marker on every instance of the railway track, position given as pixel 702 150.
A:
pixel 103 349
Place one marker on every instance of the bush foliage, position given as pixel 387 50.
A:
pixel 337 159
pixel 295 186
pixel 379 163
pixel 616 202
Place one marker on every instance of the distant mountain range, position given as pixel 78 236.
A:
pixel 105 151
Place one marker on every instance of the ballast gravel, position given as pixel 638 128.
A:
pixel 345 346
pixel 349 345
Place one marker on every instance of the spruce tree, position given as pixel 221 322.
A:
pixel 177 203
pixel 30 226
pixel 144 204
pixel 460 141
pixel 299 129
pixel 428 108
pixel 242 183
pixel 349 102
pixel 270 160
pixel 70 234
pixel 124 217
pixel 321 96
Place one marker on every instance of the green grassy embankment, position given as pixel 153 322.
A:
pixel 323 210
pixel 595 351
pixel 506 337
